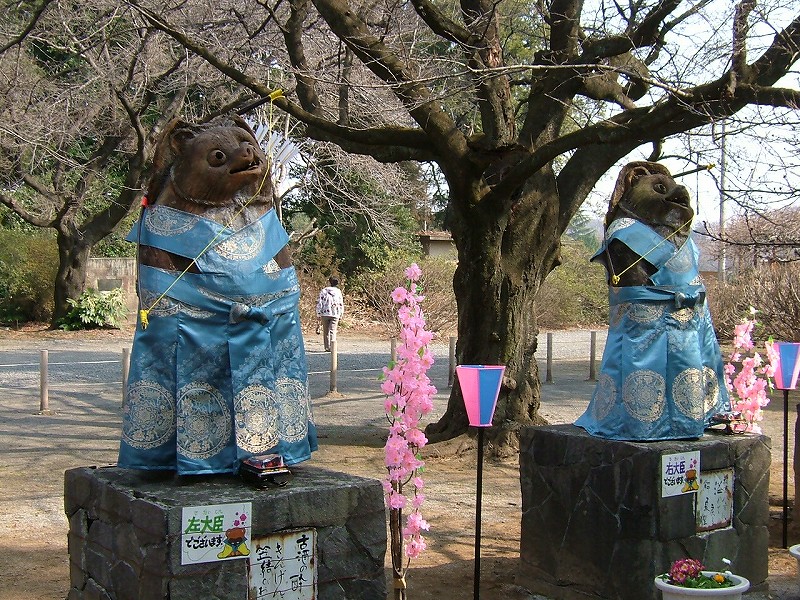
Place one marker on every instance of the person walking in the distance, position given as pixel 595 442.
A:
pixel 330 308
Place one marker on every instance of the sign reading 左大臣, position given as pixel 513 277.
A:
pixel 215 532
pixel 679 473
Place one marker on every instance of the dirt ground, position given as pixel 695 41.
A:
pixel 33 548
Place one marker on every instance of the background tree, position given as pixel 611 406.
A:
pixel 85 89
pixel 523 107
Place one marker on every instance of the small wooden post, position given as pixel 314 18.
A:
pixel 334 366
pixel 451 369
pixel 592 355
pixel 393 350
pixel 44 392
pixel 126 367
pixel 549 377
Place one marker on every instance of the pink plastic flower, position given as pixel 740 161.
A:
pixel 754 376
pixel 409 397
pixel 413 272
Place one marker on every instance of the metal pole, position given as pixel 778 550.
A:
pixel 785 467
pixel 334 365
pixel 478 495
pixel 796 461
pixel 549 377
pixel 126 367
pixel 451 370
pixel 44 399
pixel 721 275
pixel 592 355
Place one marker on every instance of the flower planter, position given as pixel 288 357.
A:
pixel 676 592
pixel 795 551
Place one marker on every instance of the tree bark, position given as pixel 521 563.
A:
pixel 504 257
pixel 73 260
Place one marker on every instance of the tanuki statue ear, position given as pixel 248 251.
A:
pixel 181 134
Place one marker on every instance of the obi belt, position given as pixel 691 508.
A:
pixel 661 376
pixel 220 372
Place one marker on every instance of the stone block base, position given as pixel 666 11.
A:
pixel 595 524
pixel 125 533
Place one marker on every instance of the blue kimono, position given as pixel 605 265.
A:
pixel 220 373
pixel 661 376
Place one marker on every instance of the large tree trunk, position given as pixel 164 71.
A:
pixel 503 258
pixel 73 260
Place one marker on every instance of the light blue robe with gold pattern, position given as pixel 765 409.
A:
pixel 661 375
pixel 220 372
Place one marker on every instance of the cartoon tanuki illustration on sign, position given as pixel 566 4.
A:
pixel 234 543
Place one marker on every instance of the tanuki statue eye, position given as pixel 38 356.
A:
pixel 216 158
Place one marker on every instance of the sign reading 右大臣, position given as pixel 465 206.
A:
pixel 284 565
pixel 215 532
pixel 679 473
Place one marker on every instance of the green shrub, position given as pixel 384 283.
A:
pixel 28 266
pixel 95 309
pixel 575 293
pixel 373 294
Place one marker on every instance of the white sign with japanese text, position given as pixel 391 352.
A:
pixel 215 532
pixel 679 473
pixel 284 565
pixel 715 500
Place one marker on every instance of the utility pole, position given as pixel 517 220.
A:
pixel 722 266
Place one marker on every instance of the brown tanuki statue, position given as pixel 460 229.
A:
pixel 217 170
pixel 661 375
pixel 218 370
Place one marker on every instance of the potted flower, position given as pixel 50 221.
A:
pixel 795 551
pixel 687 577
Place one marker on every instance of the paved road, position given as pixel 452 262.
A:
pixel 94 367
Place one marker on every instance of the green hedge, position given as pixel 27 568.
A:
pixel 28 266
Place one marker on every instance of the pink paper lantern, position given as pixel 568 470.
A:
pixel 788 365
pixel 480 387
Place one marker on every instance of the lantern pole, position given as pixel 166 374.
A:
pixel 478 495
pixel 787 371
pixel 480 387
pixel 785 468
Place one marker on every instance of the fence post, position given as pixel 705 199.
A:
pixel 393 350
pixel 451 369
pixel 592 355
pixel 334 366
pixel 44 393
pixel 126 367
pixel 549 377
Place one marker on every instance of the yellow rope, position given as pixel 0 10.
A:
pixel 615 278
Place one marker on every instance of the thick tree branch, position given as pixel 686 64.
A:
pixel 776 61
pixel 644 34
pixel 293 38
pixel 443 26
pixel 695 107
pixel 31 24
pixel 498 121
pixel 26 216
pixel 379 59
pixel 377 141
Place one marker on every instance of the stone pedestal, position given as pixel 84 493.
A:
pixel 595 524
pixel 125 533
